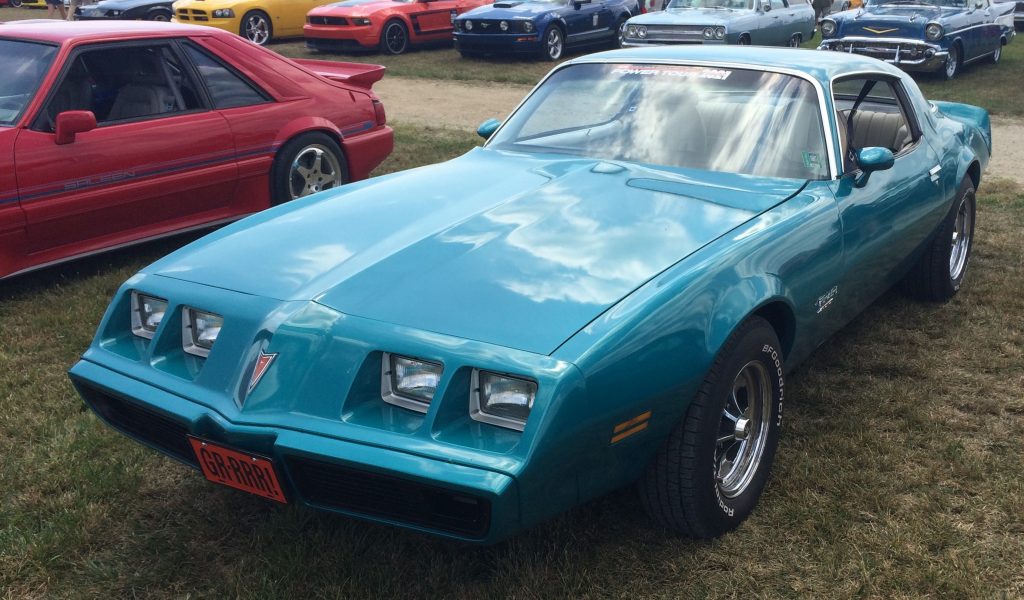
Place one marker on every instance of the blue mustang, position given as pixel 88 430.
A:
pixel 611 290
pixel 542 28
pixel 922 35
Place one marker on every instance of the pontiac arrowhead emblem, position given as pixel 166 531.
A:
pixel 880 31
pixel 262 364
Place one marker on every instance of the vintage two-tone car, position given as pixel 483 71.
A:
pixel 118 132
pixel 745 22
pixel 612 290
pixel 543 28
pixel 391 26
pixel 922 35
pixel 125 10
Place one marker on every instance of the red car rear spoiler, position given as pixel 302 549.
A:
pixel 357 74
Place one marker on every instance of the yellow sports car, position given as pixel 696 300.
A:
pixel 33 4
pixel 259 21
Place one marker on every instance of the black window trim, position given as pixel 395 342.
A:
pixel 183 43
pixel 901 101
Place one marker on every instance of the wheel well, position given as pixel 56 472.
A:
pixel 974 172
pixel 744 35
pixel 781 318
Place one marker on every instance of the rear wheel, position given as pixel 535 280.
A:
pixel 796 40
pixel 394 38
pixel 553 43
pixel 708 476
pixel 158 15
pixel 940 272
pixel 994 59
pixel 952 66
pixel 744 40
pixel 15 3
pixel 310 163
pixel 256 27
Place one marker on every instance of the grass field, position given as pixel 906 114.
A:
pixel 898 476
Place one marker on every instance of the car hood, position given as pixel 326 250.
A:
pixel 903 21
pixel 516 250
pixel 355 7
pixel 511 10
pixel 689 16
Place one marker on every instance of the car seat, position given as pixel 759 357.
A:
pixel 146 93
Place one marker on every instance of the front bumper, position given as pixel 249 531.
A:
pixel 191 14
pixel 908 54
pixel 325 472
pixel 334 38
pixel 499 43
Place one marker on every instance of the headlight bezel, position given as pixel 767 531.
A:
pixel 361 21
pixel 828 28
pixel 139 327
pixel 223 13
pixel 191 341
pixel 937 37
pixel 528 26
pixel 389 391
pixel 476 411
pixel 468 24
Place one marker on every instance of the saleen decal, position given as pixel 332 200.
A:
pixel 86 182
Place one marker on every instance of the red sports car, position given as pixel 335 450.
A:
pixel 390 25
pixel 113 133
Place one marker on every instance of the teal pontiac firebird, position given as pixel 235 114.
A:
pixel 610 291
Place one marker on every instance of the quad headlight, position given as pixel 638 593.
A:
pixel 709 33
pixel 147 313
pixel 641 31
pixel 199 331
pixel 501 399
pixel 828 28
pixel 719 33
pixel 933 32
pixel 223 13
pixel 409 382
pixel 360 21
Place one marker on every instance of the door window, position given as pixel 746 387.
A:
pixel 870 113
pixel 123 83
pixel 778 4
pixel 227 88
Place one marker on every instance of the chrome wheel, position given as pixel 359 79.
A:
pixel 961 242
pixel 162 17
pixel 622 34
pixel 553 43
pixel 395 38
pixel 256 29
pixel 314 169
pixel 952 62
pixel 743 430
pixel 997 54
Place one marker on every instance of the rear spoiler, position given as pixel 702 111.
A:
pixel 358 74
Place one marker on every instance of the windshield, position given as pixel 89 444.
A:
pixel 25 63
pixel 711 4
pixel 726 120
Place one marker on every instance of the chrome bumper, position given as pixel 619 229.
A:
pixel 909 54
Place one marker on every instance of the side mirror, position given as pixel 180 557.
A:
pixel 72 122
pixel 578 3
pixel 870 160
pixel 487 128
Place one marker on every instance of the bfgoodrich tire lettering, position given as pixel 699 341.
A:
pixel 687 487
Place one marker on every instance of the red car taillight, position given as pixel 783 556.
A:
pixel 378 110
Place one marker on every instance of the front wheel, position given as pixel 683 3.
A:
pixel 940 272
pixel 952 66
pixel 159 15
pixel 394 39
pixel 554 43
pixel 620 34
pixel 15 3
pixel 744 40
pixel 710 472
pixel 796 40
pixel 256 27
pixel 994 58
pixel 310 163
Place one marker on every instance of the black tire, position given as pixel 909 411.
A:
pixel 394 37
pixel 995 56
pixel 954 60
pixel 552 43
pixel 795 40
pixel 744 40
pixel 681 489
pixel 281 175
pixel 620 33
pixel 937 277
pixel 159 15
pixel 15 3
pixel 256 27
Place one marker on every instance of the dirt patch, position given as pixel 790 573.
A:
pixel 459 105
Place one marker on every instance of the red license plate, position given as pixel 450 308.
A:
pixel 253 474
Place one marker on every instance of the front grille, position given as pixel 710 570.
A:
pixel 675 33
pixel 145 425
pixel 885 50
pixel 333 486
pixel 328 21
pixel 185 14
pixel 493 26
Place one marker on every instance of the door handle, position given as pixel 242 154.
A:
pixel 934 173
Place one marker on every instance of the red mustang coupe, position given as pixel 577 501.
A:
pixel 390 25
pixel 114 133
